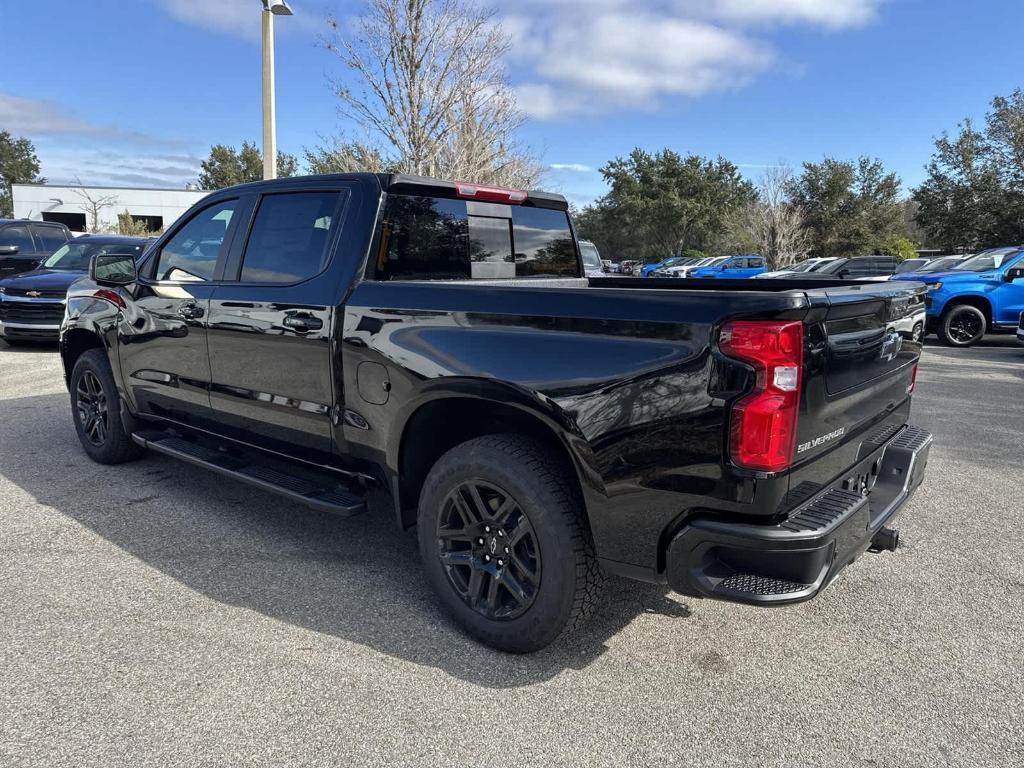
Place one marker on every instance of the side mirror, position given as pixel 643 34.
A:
pixel 112 269
pixel 843 274
pixel 1014 273
pixel 8 250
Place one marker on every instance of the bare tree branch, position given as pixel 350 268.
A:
pixel 432 91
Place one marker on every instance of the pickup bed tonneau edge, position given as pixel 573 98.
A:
pixel 430 350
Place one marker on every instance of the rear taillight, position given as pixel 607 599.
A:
pixel 762 432
pixel 490 194
pixel 913 380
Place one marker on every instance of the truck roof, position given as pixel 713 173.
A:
pixel 400 183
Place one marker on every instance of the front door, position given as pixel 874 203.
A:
pixel 1010 301
pixel 270 326
pixel 163 351
pixel 18 251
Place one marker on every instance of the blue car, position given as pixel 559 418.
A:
pixel 735 267
pixel 983 293
pixel 673 261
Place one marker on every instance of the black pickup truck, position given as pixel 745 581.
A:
pixel 431 351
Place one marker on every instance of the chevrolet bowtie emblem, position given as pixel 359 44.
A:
pixel 34 294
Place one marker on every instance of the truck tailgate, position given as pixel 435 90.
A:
pixel 859 366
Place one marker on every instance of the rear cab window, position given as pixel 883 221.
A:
pixel 438 238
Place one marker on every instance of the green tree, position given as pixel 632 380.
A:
pixel 973 196
pixel 18 165
pixel 227 166
pixel 848 208
pixel 345 157
pixel 661 204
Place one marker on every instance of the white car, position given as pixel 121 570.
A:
pixel 807 265
pixel 684 271
pixel 592 264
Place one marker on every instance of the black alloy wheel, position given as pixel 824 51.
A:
pixel 489 550
pixel 91 402
pixel 963 325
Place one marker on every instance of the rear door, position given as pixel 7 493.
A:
pixel 271 323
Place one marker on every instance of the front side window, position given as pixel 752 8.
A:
pixel 288 241
pixel 18 236
pixel 434 238
pixel 191 254
pixel 51 238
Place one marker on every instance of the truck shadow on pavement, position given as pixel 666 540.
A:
pixel 356 579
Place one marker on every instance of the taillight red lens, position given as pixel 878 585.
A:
pixel 913 380
pixel 112 296
pixel 492 194
pixel 762 432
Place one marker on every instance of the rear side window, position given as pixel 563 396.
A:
pixel 51 238
pixel 288 241
pixel 18 236
pixel 432 238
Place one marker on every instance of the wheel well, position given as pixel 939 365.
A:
pixel 974 301
pixel 73 344
pixel 439 426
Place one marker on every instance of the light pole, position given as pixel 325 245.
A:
pixel 271 8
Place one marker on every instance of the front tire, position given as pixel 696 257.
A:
pixel 962 326
pixel 505 544
pixel 96 409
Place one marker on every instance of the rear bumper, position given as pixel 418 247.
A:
pixel 794 560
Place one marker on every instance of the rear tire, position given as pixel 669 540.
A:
pixel 962 326
pixel 96 410
pixel 505 545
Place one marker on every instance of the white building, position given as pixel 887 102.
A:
pixel 71 205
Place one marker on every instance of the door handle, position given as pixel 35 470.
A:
pixel 190 311
pixel 303 323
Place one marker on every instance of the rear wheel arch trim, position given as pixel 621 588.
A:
pixel 501 398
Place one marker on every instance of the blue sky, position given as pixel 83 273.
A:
pixel 134 92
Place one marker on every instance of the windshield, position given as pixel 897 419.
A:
pixel 76 256
pixel 832 267
pixel 591 258
pixel 820 265
pixel 802 266
pixel 713 262
pixel 910 265
pixel 986 260
pixel 938 265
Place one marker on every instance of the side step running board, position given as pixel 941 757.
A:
pixel 321 491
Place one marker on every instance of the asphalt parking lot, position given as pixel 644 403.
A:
pixel 156 614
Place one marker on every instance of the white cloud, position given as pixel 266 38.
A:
pixel 588 56
pixel 34 118
pixel 239 18
pixel 834 14
pixel 572 167
pixel 105 167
